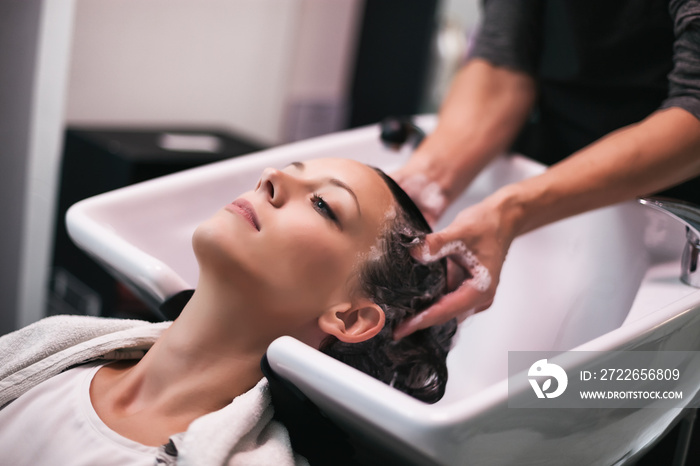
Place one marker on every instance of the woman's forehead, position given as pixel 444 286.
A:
pixel 334 166
pixel 357 175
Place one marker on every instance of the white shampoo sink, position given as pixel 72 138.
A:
pixel 605 280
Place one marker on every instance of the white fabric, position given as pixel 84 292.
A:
pixel 255 439
pixel 241 433
pixel 64 428
pixel 48 347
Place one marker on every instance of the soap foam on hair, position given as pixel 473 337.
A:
pixel 376 250
pixel 457 251
pixel 428 194
pixel 390 214
pixel 432 198
pixel 379 247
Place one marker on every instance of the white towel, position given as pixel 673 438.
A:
pixel 242 433
pixel 48 347
pixel 253 440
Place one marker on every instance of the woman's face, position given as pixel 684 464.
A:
pixel 293 245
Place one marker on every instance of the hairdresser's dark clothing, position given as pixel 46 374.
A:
pixel 599 65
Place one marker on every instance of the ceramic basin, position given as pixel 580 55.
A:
pixel 601 281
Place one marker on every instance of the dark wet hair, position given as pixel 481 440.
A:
pixel 402 287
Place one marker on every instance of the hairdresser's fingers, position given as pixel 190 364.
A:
pixel 426 194
pixel 456 275
pixel 432 248
pixel 461 303
pixel 461 263
pixel 476 244
pixel 435 246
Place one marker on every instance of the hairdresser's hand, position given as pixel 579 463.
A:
pixel 418 178
pixel 476 244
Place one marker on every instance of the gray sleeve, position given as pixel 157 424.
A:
pixel 684 79
pixel 509 35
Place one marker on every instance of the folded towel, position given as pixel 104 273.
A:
pixel 242 433
pixel 50 346
pixel 254 439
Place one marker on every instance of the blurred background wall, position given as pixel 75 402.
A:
pixel 242 65
pixel 35 37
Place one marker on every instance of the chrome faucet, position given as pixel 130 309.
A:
pixel 689 215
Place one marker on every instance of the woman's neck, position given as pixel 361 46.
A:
pixel 199 365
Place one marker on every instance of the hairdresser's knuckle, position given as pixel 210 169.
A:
pixel 487 302
pixel 441 238
pixel 434 242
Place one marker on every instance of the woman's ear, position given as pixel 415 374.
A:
pixel 353 323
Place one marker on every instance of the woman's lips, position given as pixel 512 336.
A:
pixel 246 210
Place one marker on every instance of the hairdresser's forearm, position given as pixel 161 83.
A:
pixel 481 115
pixel 661 151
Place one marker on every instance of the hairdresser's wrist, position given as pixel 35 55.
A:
pixel 448 158
pixel 513 204
pixel 425 179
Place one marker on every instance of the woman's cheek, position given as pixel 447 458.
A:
pixel 321 262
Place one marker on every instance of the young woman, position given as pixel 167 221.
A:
pixel 319 250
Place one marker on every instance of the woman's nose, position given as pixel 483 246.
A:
pixel 276 185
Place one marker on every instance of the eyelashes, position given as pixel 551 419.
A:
pixel 318 203
pixel 322 207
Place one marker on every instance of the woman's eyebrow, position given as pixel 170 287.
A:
pixel 340 184
pixel 300 166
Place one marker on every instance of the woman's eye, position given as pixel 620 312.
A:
pixel 323 208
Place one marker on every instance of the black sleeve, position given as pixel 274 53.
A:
pixel 684 79
pixel 509 34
